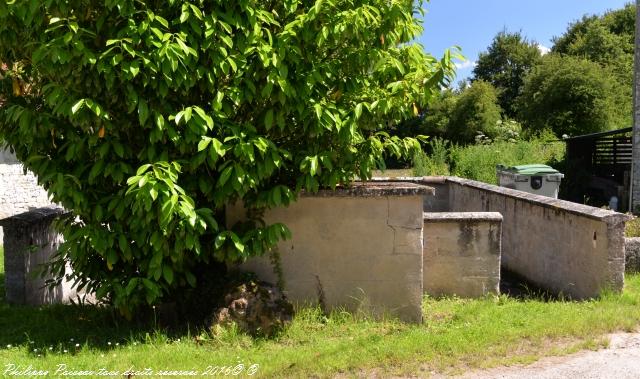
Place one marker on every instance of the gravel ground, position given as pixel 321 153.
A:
pixel 620 360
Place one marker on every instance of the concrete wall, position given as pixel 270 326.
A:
pixel 439 201
pixel 19 192
pixel 565 247
pixel 357 252
pixel 462 253
pixel 29 243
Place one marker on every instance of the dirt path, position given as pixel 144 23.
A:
pixel 620 360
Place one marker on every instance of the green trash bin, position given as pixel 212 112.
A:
pixel 538 179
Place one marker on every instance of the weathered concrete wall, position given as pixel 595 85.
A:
pixel 462 253
pixel 19 192
pixel 359 250
pixel 566 247
pixel 632 255
pixel 29 243
pixel 439 202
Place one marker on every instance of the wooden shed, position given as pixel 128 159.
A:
pixel 599 167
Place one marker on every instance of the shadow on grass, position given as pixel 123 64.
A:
pixel 520 288
pixel 64 326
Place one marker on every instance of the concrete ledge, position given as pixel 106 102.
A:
pixel 543 201
pixel 375 189
pixel 461 216
pixel 33 216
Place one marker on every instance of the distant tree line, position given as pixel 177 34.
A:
pixel 583 85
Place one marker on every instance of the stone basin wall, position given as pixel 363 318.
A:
pixel 359 249
pixel 568 248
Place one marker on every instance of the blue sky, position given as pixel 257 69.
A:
pixel 472 24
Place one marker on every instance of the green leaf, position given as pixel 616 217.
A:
pixel 219 241
pixel 358 110
pixel 204 143
pixel 268 119
pixel 191 279
pixel 224 177
pixel 167 273
pixel 313 165
pixel 143 112
pixel 218 147
pixel 184 16
pixel 237 243
pixel 77 106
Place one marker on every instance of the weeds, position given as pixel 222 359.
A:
pixel 478 162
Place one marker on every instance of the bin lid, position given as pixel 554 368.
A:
pixel 530 169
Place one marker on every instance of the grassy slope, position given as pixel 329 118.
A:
pixel 457 334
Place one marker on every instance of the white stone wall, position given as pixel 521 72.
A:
pixel 362 254
pixel 19 192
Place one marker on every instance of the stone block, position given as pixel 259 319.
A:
pixel 462 253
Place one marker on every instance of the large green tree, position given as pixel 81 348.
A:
pixel 476 110
pixel 145 118
pixel 505 63
pixel 572 96
pixel 607 39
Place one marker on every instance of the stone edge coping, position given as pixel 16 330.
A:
pixel 375 189
pixel 543 201
pixel 33 216
pixel 462 216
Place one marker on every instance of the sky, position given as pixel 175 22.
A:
pixel 472 24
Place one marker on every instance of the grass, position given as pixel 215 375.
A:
pixel 457 335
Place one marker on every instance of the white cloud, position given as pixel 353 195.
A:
pixel 465 65
pixel 543 49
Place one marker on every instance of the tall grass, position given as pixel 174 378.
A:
pixel 478 162
pixel 436 163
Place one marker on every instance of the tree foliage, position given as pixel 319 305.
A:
pixel 145 118
pixel 476 111
pixel 606 39
pixel 572 96
pixel 505 63
pixel 438 115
